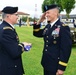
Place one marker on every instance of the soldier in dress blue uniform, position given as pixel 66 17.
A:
pixel 10 47
pixel 57 41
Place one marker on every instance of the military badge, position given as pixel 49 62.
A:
pixel 45 31
pixel 55 32
pixel 54 42
pixel 46 7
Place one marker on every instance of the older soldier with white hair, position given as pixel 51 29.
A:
pixel 57 41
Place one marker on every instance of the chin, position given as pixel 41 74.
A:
pixel 48 20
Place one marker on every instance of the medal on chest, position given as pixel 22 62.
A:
pixel 55 32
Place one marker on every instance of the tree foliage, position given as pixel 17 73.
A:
pixel 66 5
pixel 24 19
pixel 48 2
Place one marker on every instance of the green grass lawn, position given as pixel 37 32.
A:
pixel 32 58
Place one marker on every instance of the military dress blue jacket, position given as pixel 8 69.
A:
pixel 10 51
pixel 57 45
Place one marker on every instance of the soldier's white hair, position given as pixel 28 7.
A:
pixel 4 15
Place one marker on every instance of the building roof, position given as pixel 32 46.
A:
pixel 20 13
pixel 70 16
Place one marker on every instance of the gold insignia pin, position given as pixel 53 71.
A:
pixel 54 42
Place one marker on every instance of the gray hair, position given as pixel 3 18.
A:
pixel 58 8
pixel 4 15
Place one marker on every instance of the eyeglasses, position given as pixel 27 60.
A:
pixel 15 14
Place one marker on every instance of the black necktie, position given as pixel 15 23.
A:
pixel 49 26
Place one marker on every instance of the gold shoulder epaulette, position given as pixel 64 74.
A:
pixel 64 24
pixel 7 28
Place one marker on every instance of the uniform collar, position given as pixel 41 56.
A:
pixel 11 25
pixel 54 22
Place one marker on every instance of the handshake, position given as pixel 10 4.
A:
pixel 27 46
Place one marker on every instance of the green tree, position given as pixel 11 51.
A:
pixel 24 19
pixel 66 5
pixel 48 2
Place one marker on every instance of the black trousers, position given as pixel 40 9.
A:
pixel 49 73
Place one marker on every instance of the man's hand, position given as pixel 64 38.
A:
pixel 27 46
pixel 59 72
pixel 41 19
pixel 25 43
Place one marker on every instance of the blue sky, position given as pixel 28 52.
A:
pixel 27 6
